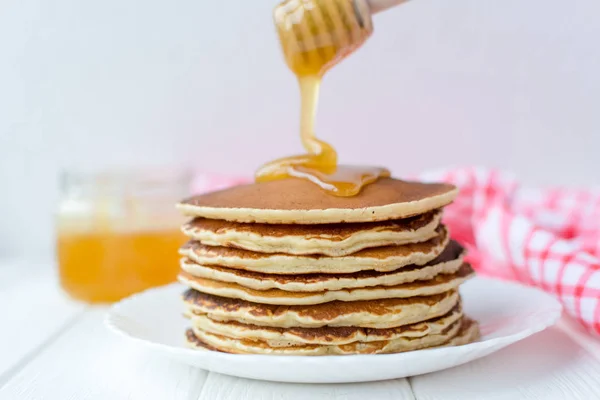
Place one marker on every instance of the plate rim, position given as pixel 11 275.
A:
pixel 498 342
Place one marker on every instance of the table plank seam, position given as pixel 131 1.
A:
pixel 410 385
pixel 209 375
pixel 36 351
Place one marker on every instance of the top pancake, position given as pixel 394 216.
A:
pixel 296 201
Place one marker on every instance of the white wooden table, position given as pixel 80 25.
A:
pixel 53 348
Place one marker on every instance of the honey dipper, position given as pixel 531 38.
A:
pixel 316 34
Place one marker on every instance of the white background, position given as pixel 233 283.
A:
pixel 506 83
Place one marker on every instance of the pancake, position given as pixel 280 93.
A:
pixel 468 332
pixel 329 239
pixel 439 284
pixel 381 314
pixel 285 337
pixel 388 258
pixel 448 262
pixel 398 345
pixel 296 201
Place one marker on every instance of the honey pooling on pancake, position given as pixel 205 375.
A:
pixel 316 35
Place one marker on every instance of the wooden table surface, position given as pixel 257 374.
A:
pixel 54 348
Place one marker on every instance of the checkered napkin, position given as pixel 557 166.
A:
pixel 548 238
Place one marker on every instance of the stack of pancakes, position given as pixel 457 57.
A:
pixel 283 267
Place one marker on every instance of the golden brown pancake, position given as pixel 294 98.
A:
pixel 384 313
pixel 329 239
pixel 448 262
pixel 296 201
pixel 388 258
pixel 467 332
pixel 439 284
pixel 294 336
pixel 397 345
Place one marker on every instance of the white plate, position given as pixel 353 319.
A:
pixel 507 312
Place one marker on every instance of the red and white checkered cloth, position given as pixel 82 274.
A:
pixel 548 238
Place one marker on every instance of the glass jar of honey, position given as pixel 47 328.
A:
pixel 118 232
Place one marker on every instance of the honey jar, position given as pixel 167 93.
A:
pixel 118 232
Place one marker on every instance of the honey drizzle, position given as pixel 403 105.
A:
pixel 316 35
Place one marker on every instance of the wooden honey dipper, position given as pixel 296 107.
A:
pixel 316 34
pixel 382 5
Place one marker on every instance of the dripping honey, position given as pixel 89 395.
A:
pixel 315 35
